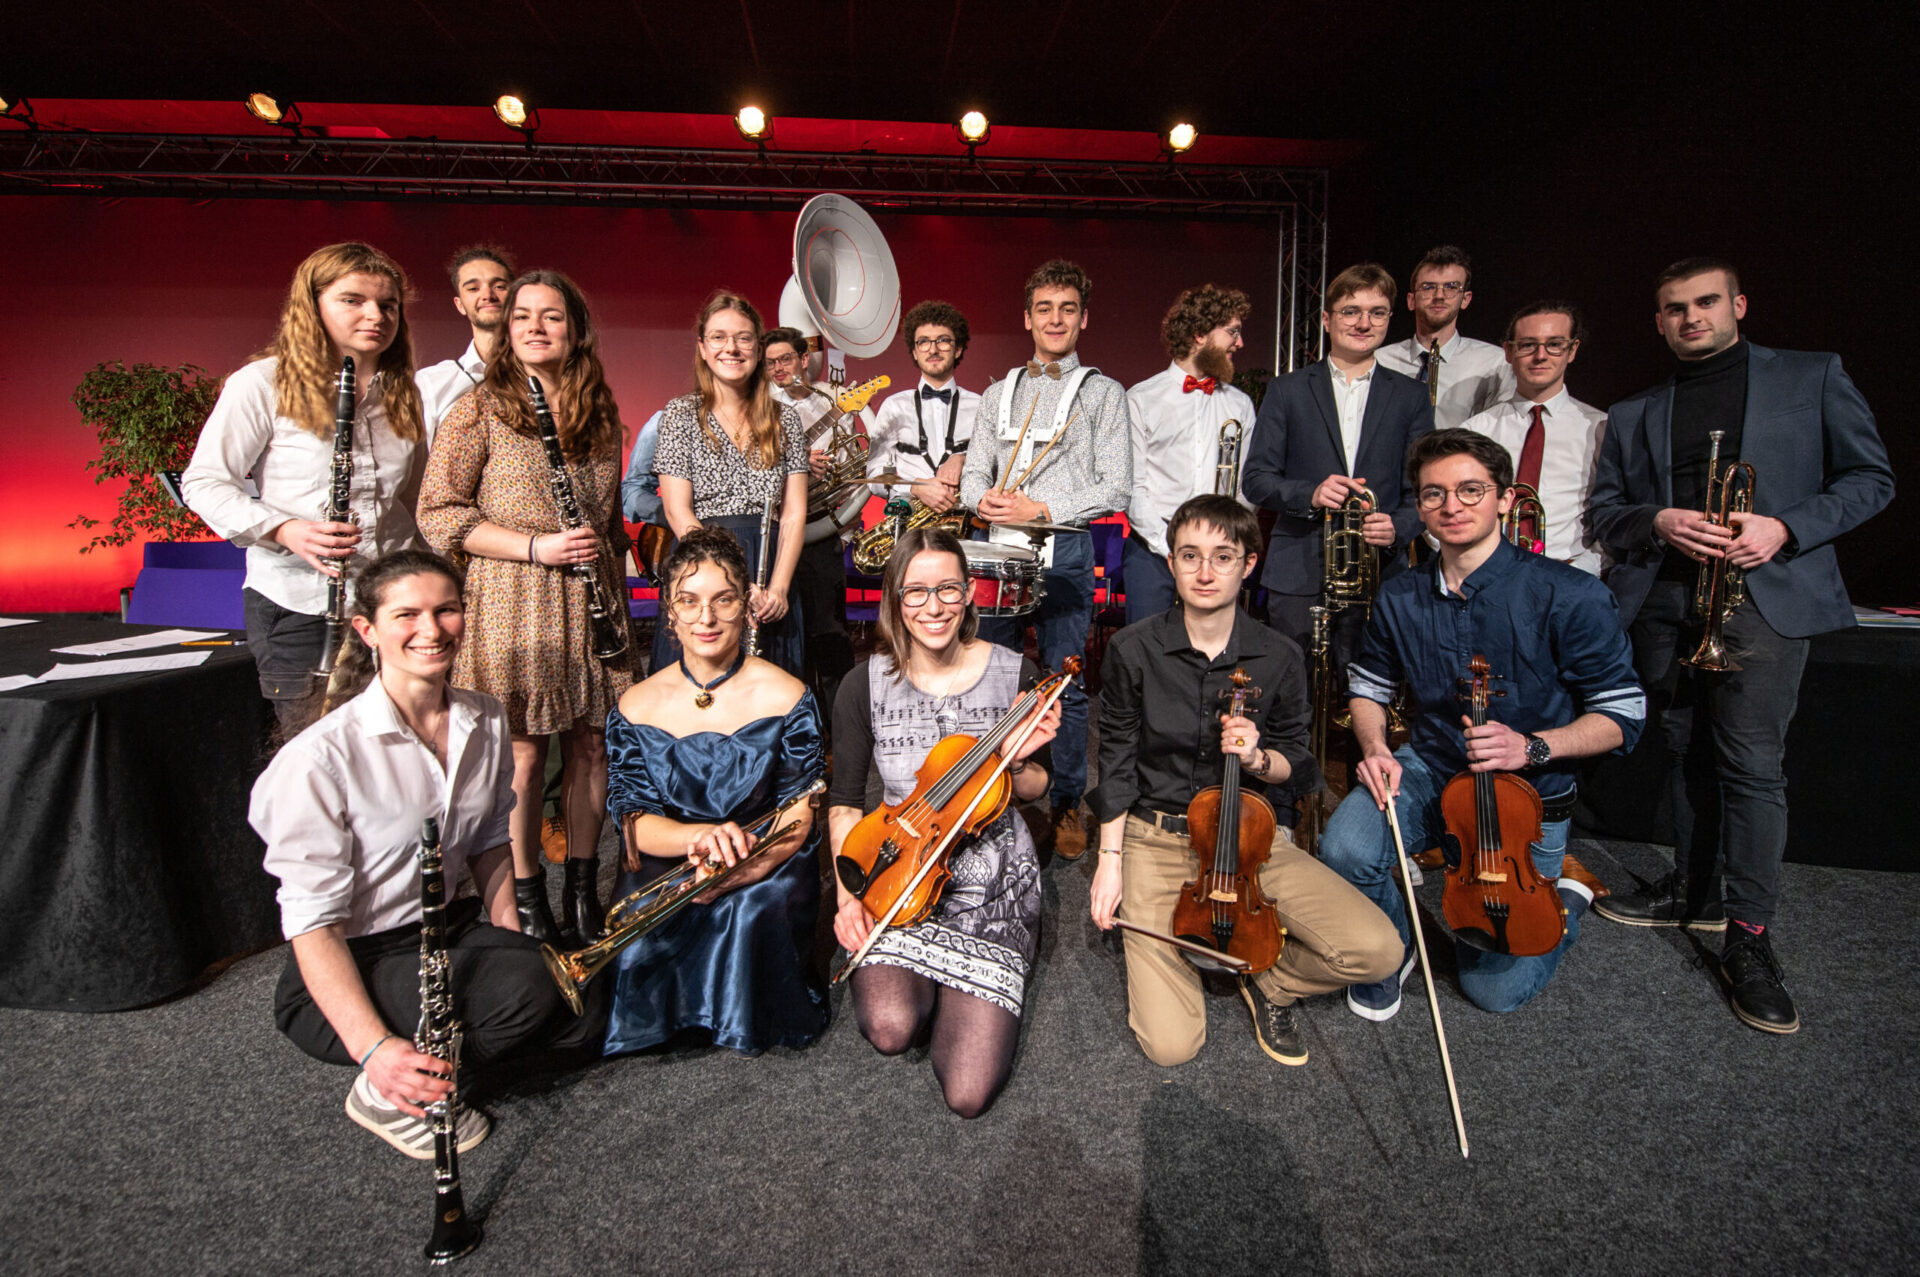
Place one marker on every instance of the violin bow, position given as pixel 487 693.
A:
pixel 1236 965
pixel 1426 970
pixel 959 826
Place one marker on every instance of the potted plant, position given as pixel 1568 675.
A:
pixel 148 419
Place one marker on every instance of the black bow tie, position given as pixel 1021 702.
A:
pixel 944 396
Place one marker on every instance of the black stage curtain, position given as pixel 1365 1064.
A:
pixel 1848 757
pixel 128 865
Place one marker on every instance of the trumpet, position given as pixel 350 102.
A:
pixel 1226 471
pixel 1350 567
pixel 647 909
pixel 1721 587
pixel 872 548
pixel 1525 522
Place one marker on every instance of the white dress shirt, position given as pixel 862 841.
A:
pixel 1474 375
pixel 442 385
pixel 340 809
pixel 292 468
pixel 896 433
pixel 1350 402
pixel 1573 434
pixel 1176 447
pixel 812 404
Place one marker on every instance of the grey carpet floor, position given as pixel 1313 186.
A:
pixel 1624 1122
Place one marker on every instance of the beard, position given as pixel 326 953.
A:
pixel 489 325
pixel 1215 362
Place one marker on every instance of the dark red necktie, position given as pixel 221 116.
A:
pixel 1530 451
pixel 1204 385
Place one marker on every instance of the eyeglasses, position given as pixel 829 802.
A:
pixel 739 341
pixel 725 608
pixel 1223 561
pixel 1470 493
pixel 946 592
pixel 1378 314
pixel 1429 288
pixel 1552 345
pixel 933 343
pixel 782 361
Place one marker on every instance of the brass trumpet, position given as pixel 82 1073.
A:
pixel 872 548
pixel 1350 567
pixel 1525 523
pixel 1720 587
pixel 646 909
pixel 1226 470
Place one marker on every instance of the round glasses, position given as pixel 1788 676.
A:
pixel 1224 561
pixel 726 608
pixel 1470 493
pixel 933 343
pixel 739 341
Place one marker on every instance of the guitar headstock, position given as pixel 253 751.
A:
pixel 854 398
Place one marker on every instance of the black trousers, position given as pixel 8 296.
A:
pixel 507 1004
pixel 1726 742
pixel 285 646
pixel 820 580
pixel 1288 613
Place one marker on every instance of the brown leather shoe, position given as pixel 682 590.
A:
pixel 1431 858
pixel 1069 832
pixel 553 840
pixel 1571 868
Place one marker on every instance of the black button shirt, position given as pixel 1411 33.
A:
pixel 1160 706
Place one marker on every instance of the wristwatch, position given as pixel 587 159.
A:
pixel 1539 753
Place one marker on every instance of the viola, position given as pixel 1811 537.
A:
pixel 894 860
pixel 1232 833
pixel 1494 898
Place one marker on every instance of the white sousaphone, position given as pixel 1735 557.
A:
pixel 844 297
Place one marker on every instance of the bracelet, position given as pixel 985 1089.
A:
pixel 1112 851
pixel 375 1047
pixel 530 541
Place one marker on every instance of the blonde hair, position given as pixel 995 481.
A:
pixel 306 362
pixel 763 415
pixel 585 415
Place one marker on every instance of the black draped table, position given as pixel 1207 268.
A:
pixel 126 864
pixel 1849 760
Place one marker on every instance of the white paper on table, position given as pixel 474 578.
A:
pixel 139 642
pixel 13 681
pixel 5 621
pixel 131 665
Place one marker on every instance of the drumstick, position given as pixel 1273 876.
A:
pixel 1043 453
pixel 1426 969
pixel 1022 436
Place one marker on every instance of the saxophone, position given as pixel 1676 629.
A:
pixel 609 634
pixel 338 512
pixel 872 548
pixel 439 1035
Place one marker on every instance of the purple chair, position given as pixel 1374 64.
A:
pixel 193 584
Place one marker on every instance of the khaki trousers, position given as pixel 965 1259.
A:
pixel 1335 937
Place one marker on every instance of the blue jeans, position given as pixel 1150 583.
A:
pixel 1148 581
pixel 1358 846
pixel 1062 621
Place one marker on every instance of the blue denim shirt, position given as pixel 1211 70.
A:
pixel 640 490
pixel 1550 632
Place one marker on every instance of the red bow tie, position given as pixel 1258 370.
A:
pixel 1205 385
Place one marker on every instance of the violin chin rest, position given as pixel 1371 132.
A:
pixel 1478 939
pixel 852 876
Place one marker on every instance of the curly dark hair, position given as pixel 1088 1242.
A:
pixel 942 315
pixel 1060 273
pixel 706 545
pixel 1197 312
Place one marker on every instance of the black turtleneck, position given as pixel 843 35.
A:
pixel 1708 394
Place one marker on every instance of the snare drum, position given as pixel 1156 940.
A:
pixel 1005 578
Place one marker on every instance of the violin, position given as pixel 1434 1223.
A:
pixel 894 860
pixel 1232 833
pixel 1494 899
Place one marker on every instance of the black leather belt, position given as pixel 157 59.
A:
pixel 1559 807
pixel 1164 820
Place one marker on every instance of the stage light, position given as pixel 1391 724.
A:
pixel 974 128
pixel 267 108
pixel 752 123
pixel 1181 137
pixel 512 112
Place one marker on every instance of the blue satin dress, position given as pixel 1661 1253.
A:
pixel 741 966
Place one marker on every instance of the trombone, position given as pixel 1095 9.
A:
pixel 1350 567
pixel 1720 587
pixel 1226 471
pixel 1525 522
pixel 645 910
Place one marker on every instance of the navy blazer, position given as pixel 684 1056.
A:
pixel 1296 444
pixel 1819 467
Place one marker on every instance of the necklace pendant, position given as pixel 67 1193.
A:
pixel 702 698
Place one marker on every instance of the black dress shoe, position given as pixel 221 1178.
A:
pixel 1274 1026
pixel 1752 974
pixel 581 914
pixel 1663 904
pixel 536 918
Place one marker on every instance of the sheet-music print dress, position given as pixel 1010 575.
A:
pixel 981 937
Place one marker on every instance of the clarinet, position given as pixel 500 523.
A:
pixel 439 1035
pixel 752 644
pixel 609 638
pixel 338 512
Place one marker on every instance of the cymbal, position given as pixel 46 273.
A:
pixel 1037 526
pixel 888 479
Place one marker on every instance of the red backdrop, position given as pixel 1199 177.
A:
pixel 176 281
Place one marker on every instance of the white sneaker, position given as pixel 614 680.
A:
pixel 409 1134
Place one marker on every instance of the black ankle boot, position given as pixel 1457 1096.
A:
pixel 530 900
pixel 580 911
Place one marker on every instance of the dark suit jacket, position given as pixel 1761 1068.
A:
pixel 1296 444
pixel 1819 467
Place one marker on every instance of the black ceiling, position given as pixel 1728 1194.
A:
pixel 1310 68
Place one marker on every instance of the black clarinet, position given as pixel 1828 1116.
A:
pixel 338 512
pixel 609 637
pixel 439 1035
